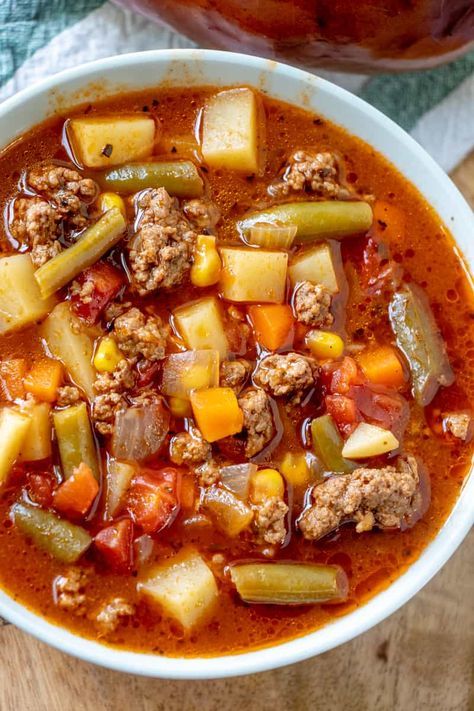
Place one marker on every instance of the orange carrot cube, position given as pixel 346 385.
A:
pixel 44 379
pixel 217 413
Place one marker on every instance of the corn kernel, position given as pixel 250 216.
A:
pixel 106 201
pixel 179 407
pixel 265 484
pixel 324 344
pixel 295 469
pixel 107 355
pixel 207 266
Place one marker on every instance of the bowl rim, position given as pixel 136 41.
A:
pixel 433 557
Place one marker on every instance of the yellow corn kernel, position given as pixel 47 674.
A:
pixel 180 407
pixel 106 201
pixel 265 484
pixel 295 469
pixel 107 355
pixel 207 266
pixel 324 344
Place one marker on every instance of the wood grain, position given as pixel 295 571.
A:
pixel 420 658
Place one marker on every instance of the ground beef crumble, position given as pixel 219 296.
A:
pixel 258 420
pixel 208 473
pixel 35 224
pixel 234 373
pixel 370 497
pixel 269 521
pixel 68 395
pixel 69 591
pixel 202 214
pixel 459 424
pixel 288 374
pixel 162 250
pixel 66 189
pixel 312 304
pixel 189 448
pixel 112 614
pixel 110 388
pixel 311 171
pixel 139 335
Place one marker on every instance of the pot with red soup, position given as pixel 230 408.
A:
pixel 235 403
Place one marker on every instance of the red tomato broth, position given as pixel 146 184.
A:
pixel 371 560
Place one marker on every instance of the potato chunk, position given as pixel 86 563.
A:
pixel 102 141
pixel 369 441
pixel 184 587
pixel 230 128
pixel 315 265
pixel 20 300
pixel 200 326
pixel 14 427
pixel 68 342
pixel 253 275
pixel 37 442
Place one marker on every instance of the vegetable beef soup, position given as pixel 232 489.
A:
pixel 235 371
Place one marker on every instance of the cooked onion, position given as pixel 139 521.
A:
pixel 272 235
pixel 236 478
pixel 139 431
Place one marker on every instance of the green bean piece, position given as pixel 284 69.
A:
pixel 328 444
pixel 289 583
pixel 75 439
pixel 91 246
pixel 61 539
pixel 179 178
pixel 318 220
pixel 419 338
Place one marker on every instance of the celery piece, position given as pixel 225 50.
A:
pixel 61 539
pixel 289 583
pixel 419 338
pixel 328 444
pixel 179 178
pixel 75 439
pixel 324 219
pixel 90 247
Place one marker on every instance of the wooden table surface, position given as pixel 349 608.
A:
pixel 420 658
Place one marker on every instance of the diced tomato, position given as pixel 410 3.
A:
pixel 381 407
pixel 41 487
pixel 147 374
pixel 106 282
pixel 344 375
pixel 115 545
pixel 153 498
pixel 344 412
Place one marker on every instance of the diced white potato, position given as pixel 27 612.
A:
pixel 68 341
pixel 315 265
pixel 103 141
pixel 119 477
pixel 20 300
pixel 188 371
pixel 37 443
pixel 201 327
pixel 184 587
pixel 253 275
pixel 369 441
pixel 230 131
pixel 13 429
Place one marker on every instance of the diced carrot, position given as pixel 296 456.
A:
pixel 389 222
pixel 272 324
pixel 382 366
pixel 76 494
pixel 44 379
pixel 187 492
pixel 217 413
pixel 12 376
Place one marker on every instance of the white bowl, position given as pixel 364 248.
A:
pixel 203 67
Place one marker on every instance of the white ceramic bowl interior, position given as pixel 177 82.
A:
pixel 131 72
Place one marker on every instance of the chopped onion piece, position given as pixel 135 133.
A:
pixel 190 370
pixel 140 431
pixel 236 478
pixel 272 235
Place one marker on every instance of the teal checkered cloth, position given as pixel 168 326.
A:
pixel 41 37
